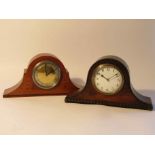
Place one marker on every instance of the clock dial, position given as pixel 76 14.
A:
pixel 46 74
pixel 108 79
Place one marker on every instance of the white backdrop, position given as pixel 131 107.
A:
pixel 78 44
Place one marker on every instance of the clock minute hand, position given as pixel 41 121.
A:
pixel 49 70
pixel 46 70
pixel 114 76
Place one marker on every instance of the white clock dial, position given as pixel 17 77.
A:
pixel 108 79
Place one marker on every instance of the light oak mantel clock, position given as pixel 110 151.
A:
pixel 46 75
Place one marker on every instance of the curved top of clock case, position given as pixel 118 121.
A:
pixel 120 63
pixel 43 57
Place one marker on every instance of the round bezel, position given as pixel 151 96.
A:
pixel 99 67
pixel 41 85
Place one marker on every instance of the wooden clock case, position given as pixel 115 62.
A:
pixel 128 97
pixel 26 87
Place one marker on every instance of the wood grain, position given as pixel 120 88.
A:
pixel 26 86
pixel 128 97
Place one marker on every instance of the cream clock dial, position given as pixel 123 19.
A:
pixel 108 79
pixel 46 74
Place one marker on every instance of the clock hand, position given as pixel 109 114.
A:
pixel 103 76
pixel 49 70
pixel 113 77
pixel 46 69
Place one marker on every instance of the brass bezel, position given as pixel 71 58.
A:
pixel 93 77
pixel 39 84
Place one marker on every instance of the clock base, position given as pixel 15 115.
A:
pixel 135 105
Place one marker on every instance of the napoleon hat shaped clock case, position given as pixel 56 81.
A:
pixel 108 83
pixel 46 75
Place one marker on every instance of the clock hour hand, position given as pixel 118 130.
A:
pixel 103 76
pixel 48 70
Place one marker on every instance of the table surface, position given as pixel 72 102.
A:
pixel 78 44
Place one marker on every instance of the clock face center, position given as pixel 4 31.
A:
pixel 108 79
pixel 46 74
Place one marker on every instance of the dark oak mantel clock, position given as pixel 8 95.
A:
pixel 108 83
pixel 46 75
